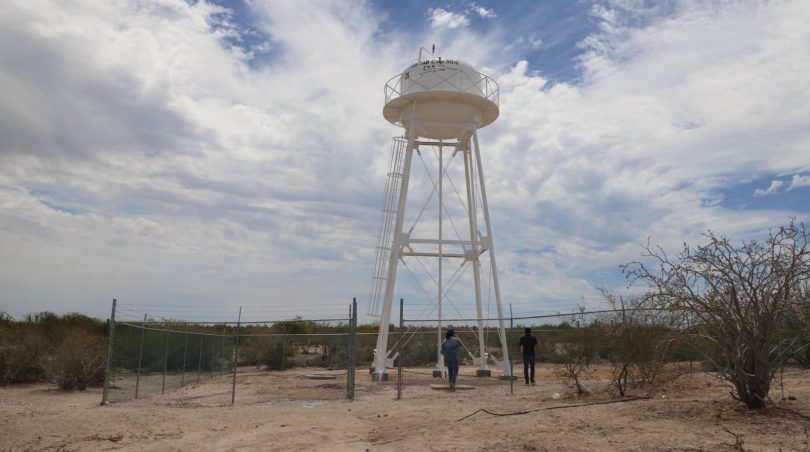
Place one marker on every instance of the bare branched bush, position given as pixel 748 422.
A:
pixel 637 339
pixel 78 362
pixel 576 349
pixel 744 300
pixel 22 353
pixel 801 352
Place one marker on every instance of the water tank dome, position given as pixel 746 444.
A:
pixel 441 98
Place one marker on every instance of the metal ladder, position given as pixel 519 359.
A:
pixel 388 215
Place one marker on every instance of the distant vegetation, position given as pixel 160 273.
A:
pixel 68 350
pixel 742 310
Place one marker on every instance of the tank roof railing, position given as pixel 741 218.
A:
pixel 459 81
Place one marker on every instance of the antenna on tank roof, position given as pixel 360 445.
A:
pixel 432 52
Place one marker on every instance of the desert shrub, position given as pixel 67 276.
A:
pixel 273 354
pixel 574 353
pixel 37 348
pixel 22 353
pixel 78 362
pixel 746 299
pixel 252 350
pixel 366 342
pixel 637 340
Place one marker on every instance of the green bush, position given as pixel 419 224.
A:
pixel 78 362
pixel 40 348
pixel 22 352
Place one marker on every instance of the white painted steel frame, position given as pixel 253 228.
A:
pixel 478 245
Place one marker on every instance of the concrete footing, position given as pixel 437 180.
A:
pixel 483 373
pixel 379 377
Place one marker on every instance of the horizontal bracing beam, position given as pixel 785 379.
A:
pixel 412 253
pixel 446 242
pixel 437 143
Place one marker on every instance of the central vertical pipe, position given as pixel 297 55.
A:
pixel 440 360
pixel 469 174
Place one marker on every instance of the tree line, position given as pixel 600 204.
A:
pixel 741 309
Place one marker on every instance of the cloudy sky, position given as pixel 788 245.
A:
pixel 226 153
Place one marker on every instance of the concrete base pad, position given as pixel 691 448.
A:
pixel 437 374
pixel 483 373
pixel 507 377
pixel 377 377
pixel 447 387
pixel 320 377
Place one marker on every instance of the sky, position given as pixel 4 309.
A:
pixel 215 154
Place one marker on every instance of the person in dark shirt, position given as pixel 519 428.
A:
pixel 528 346
pixel 450 347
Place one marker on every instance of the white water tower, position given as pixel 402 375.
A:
pixel 441 104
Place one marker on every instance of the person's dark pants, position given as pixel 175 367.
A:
pixel 528 360
pixel 452 370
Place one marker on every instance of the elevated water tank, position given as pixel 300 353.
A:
pixel 445 97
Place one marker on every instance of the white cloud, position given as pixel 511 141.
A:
pixel 484 13
pixel 773 188
pixel 798 181
pixel 142 157
pixel 668 113
pixel 188 172
pixel 441 18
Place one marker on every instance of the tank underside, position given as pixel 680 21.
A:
pixel 441 114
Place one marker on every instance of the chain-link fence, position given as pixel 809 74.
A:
pixel 214 364
pixel 578 353
pixel 206 363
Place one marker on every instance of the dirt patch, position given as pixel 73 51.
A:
pixel 692 412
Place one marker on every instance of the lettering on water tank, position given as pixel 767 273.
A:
pixel 436 67
pixel 430 62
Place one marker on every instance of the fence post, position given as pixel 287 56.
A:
pixel 185 348
pixel 105 397
pixel 352 351
pixel 165 362
pixel 222 352
pixel 511 317
pixel 140 357
pixel 235 355
pixel 283 350
pixel 213 352
pixel 400 355
pixel 199 360
pixel 335 353
pixel 511 367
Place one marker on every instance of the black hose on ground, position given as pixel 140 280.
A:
pixel 555 407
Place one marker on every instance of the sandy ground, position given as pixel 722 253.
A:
pixel 693 412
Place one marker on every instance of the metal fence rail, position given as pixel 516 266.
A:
pixel 560 337
pixel 175 363
pixel 211 363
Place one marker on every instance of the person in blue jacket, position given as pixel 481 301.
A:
pixel 450 347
